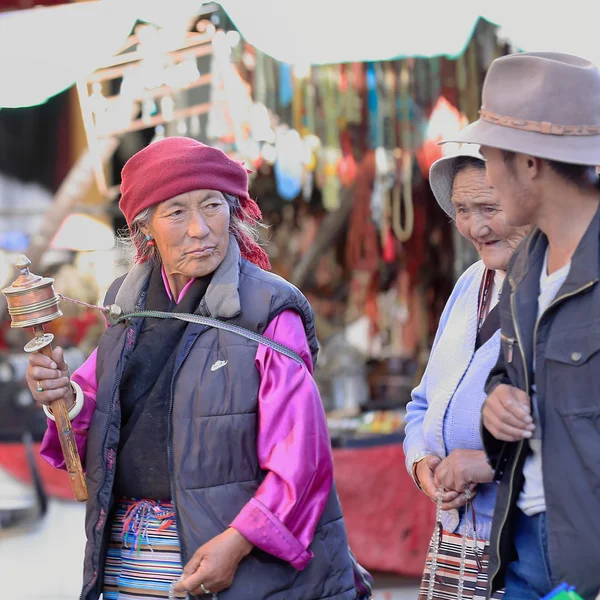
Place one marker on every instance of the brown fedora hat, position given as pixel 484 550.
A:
pixel 545 104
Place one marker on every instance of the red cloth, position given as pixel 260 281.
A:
pixel 13 459
pixel 176 165
pixel 389 521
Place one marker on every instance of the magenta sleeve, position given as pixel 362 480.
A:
pixel 293 448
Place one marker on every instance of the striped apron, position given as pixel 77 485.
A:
pixel 143 558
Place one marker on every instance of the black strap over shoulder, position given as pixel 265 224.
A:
pixel 209 322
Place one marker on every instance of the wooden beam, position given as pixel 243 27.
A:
pixel 103 74
pixel 164 90
pixel 139 124
pixel 123 58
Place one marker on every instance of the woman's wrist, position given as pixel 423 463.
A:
pixel 244 545
pixel 415 471
pixel 74 398
pixel 486 469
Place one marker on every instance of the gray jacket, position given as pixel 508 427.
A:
pixel 565 345
pixel 216 410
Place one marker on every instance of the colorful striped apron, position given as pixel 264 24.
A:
pixel 143 558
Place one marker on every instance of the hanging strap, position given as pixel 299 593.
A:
pixel 487 283
pixel 209 322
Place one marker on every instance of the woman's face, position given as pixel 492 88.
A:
pixel 480 219
pixel 191 232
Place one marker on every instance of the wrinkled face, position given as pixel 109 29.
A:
pixel 191 232
pixel 512 186
pixel 480 219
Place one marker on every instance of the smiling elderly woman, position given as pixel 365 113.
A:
pixel 443 446
pixel 206 452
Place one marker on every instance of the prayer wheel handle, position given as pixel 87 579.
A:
pixel 32 302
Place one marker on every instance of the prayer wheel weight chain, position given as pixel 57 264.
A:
pixel 32 302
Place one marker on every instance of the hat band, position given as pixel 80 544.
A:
pixel 539 126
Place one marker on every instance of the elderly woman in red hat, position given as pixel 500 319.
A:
pixel 207 454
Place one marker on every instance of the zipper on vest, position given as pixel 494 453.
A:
pixel 510 342
pixel 203 309
pixel 95 557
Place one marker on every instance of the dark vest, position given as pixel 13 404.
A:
pixel 212 436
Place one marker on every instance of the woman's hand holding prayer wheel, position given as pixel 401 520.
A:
pixel 48 378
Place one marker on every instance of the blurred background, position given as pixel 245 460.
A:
pixel 337 107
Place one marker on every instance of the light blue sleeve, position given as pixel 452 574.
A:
pixel 415 447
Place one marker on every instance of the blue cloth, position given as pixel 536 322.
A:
pixel 445 411
pixel 529 577
pixel 286 84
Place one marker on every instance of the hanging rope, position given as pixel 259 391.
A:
pixel 404 231
pixel 362 250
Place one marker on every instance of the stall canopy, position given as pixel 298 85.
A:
pixel 333 31
pixel 45 50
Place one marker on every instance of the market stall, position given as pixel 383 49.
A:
pixel 340 155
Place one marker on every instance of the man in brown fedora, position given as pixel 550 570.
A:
pixel 539 132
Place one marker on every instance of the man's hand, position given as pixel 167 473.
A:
pixel 507 414
pixel 214 565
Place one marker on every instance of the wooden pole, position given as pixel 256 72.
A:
pixel 66 436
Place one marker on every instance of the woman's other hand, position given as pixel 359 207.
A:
pixel 214 565
pixel 51 375
pixel 424 472
pixel 462 470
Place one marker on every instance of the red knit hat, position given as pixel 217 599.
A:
pixel 177 165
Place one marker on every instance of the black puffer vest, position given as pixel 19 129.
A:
pixel 212 437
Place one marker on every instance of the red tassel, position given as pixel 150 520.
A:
pixel 248 247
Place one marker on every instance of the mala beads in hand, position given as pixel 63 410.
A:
pixel 437 541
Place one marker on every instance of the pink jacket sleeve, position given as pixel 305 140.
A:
pixel 50 450
pixel 293 447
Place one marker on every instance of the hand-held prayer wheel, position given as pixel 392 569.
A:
pixel 32 302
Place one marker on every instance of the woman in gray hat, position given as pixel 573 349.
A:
pixel 443 446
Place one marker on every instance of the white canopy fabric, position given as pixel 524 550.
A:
pixel 45 50
pixel 542 25
pixel 336 31
pixel 332 31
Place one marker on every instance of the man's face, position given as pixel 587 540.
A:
pixel 514 190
